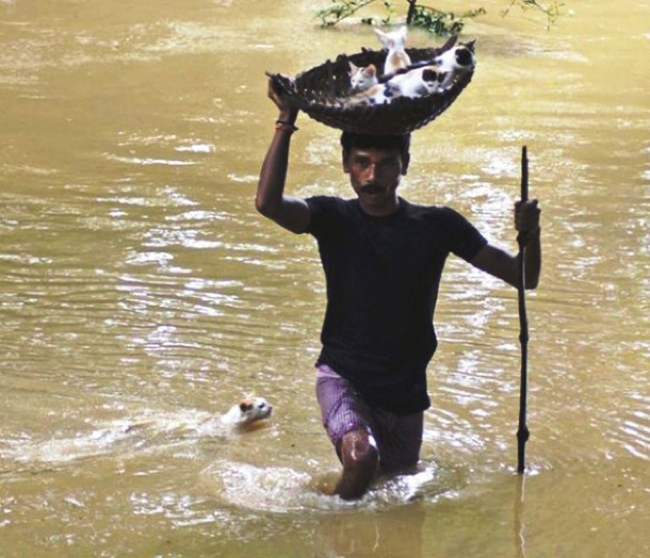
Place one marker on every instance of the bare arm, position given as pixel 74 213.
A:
pixel 291 213
pixel 499 263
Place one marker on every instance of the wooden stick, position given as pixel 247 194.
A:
pixel 522 431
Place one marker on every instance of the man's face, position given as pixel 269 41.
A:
pixel 375 175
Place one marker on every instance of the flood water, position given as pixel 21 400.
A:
pixel 141 293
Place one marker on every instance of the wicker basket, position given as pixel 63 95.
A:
pixel 320 93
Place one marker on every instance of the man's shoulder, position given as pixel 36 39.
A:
pixel 324 203
pixel 324 198
pixel 328 212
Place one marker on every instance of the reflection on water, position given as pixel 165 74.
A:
pixel 141 293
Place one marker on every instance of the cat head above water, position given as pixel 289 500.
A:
pixel 248 412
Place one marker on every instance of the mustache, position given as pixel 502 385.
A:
pixel 370 187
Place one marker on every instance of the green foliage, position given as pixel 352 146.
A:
pixel 439 22
pixel 431 19
pixel 390 12
pixel 551 8
pixel 341 9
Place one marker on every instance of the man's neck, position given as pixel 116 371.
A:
pixel 385 210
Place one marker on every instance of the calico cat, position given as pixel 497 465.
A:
pixel 397 58
pixel 414 83
pixel 417 82
pixel 375 95
pixel 452 62
pixel 362 78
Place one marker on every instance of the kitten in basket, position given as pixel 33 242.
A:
pixel 395 42
pixel 412 84
pixel 362 78
pixel 412 80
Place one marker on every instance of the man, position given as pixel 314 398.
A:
pixel 383 258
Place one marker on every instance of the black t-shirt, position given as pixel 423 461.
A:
pixel 382 276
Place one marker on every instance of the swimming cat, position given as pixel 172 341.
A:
pixel 245 415
pixel 247 412
pixel 397 58
pixel 362 78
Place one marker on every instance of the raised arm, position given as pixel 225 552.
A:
pixel 291 213
pixel 499 263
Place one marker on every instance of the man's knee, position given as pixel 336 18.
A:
pixel 360 457
pixel 359 450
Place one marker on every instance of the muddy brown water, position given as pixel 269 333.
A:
pixel 139 286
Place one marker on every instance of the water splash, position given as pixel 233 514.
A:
pixel 289 490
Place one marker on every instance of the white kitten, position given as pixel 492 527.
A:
pixel 362 78
pixel 417 82
pixel 455 60
pixel 397 58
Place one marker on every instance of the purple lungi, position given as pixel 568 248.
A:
pixel 398 437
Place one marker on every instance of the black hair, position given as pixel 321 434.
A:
pixel 401 143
